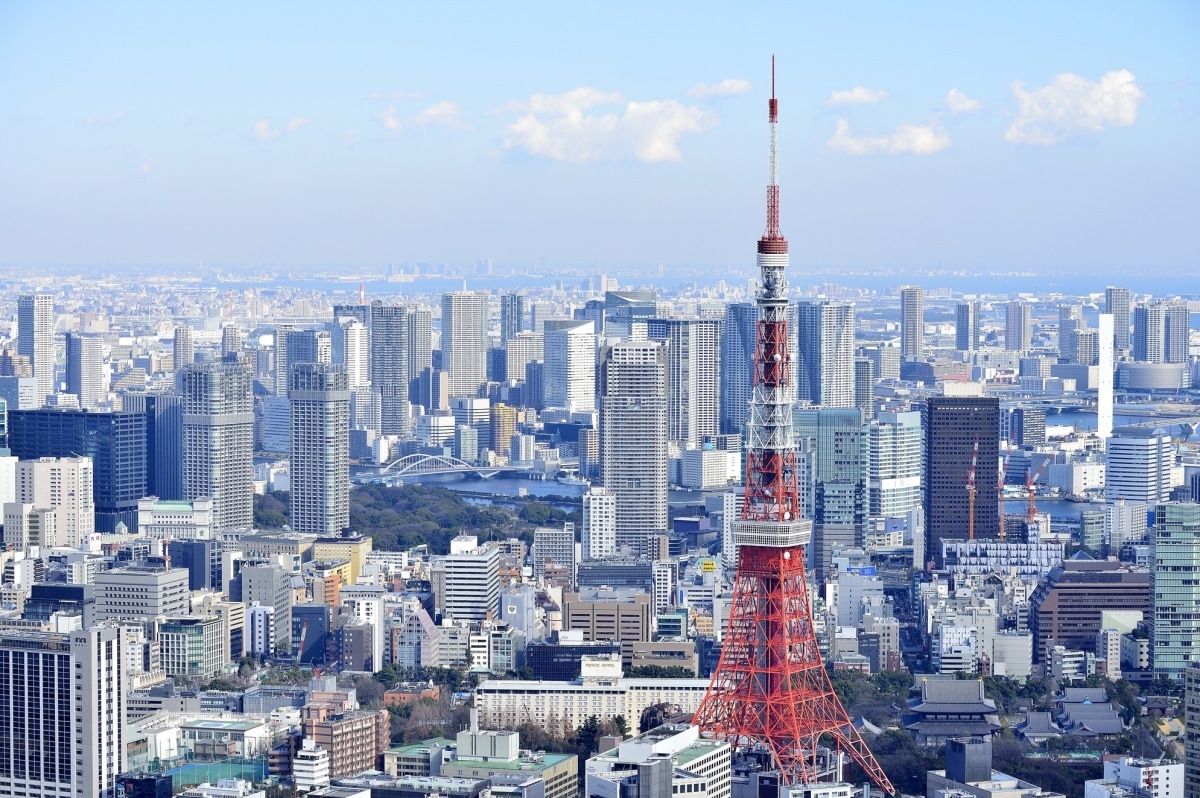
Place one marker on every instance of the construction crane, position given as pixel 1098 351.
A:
pixel 1000 474
pixel 971 491
pixel 1031 487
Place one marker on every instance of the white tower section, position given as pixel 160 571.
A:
pixel 1104 382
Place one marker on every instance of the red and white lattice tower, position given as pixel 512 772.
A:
pixel 770 687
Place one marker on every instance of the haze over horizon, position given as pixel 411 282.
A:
pixel 967 138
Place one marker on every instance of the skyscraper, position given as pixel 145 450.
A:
pixel 1118 302
pixel 465 340
pixel 599 530
pixel 738 339
pixel 524 348
pixel 1018 329
pixel 1070 325
pixel 85 369
pixel 308 346
pixel 836 456
pixel 282 361
pixel 320 476
pixel 966 326
pixel 512 316
pixel 633 438
pixel 693 350
pixel 1138 463
pixel 1160 332
pixel 895 441
pixel 569 356
pixel 1104 388
pixel 35 339
pixel 233 340
pixel 952 425
pixel 864 386
pixel 420 342
pixel 912 322
pixel 163 414
pixel 62 706
pixel 389 367
pixel 218 440
pixel 825 357
pixel 182 349
pixel 1174 588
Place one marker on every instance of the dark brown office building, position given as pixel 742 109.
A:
pixel 952 426
pixel 1065 608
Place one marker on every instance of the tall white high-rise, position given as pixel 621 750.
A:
pixel 85 369
pixel 63 484
pixel 731 513
pixel 320 471
pixel 570 370
pixel 182 349
pixel 35 339
pixel 1104 379
pixel 693 349
pixel 633 438
pixel 524 348
pixel 1138 463
pixel 599 533
pixel 352 349
pixel 1160 332
pixel 420 341
pixel 896 441
pixel 471 580
pixel 912 322
pixel 62 706
pixel 218 440
pixel 465 340
pixel 825 357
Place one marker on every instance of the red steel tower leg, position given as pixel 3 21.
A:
pixel 771 687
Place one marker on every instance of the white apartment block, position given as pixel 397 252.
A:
pixel 599 533
pixel 63 484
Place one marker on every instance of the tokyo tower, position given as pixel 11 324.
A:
pixel 770 687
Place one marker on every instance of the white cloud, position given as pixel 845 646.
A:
pixel 856 96
pixel 1071 104
pixel 730 87
pixel 560 127
pixel 958 103
pixel 905 139
pixel 442 114
pixel 445 113
pixel 105 119
pixel 145 166
pixel 263 130
pixel 394 95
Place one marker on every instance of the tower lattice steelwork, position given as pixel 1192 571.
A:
pixel 770 687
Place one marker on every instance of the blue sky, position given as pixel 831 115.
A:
pixel 616 133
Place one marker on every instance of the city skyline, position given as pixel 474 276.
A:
pixel 382 135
